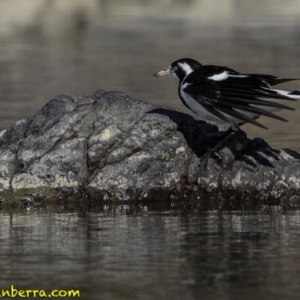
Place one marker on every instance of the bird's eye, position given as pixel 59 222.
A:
pixel 175 68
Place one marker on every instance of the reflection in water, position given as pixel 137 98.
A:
pixel 157 251
pixel 52 47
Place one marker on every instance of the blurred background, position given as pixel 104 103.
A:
pixel 51 47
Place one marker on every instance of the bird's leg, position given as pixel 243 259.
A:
pixel 229 136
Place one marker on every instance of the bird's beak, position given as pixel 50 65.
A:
pixel 162 73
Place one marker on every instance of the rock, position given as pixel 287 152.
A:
pixel 108 145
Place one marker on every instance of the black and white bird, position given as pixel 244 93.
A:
pixel 228 97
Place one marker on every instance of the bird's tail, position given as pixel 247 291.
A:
pixel 279 100
pixel 294 94
pixel 291 95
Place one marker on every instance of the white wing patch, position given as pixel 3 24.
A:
pixel 219 77
pixel 224 75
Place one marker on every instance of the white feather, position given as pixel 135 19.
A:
pixel 287 94
pixel 224 75
pixel 219 77
pixel 186 68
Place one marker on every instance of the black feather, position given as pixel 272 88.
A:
pixel 253 109
pixel 238 115
pixel 233 100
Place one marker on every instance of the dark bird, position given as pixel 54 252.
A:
pixel 226 96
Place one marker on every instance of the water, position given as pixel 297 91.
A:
pixel 155 251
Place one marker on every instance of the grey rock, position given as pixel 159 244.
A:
pixel 108 145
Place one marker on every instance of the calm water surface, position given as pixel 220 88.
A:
pixel 170 251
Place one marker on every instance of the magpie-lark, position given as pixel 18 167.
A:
pixel 228 97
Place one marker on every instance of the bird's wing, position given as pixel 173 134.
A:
pixel 214 72
pixel 223 91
